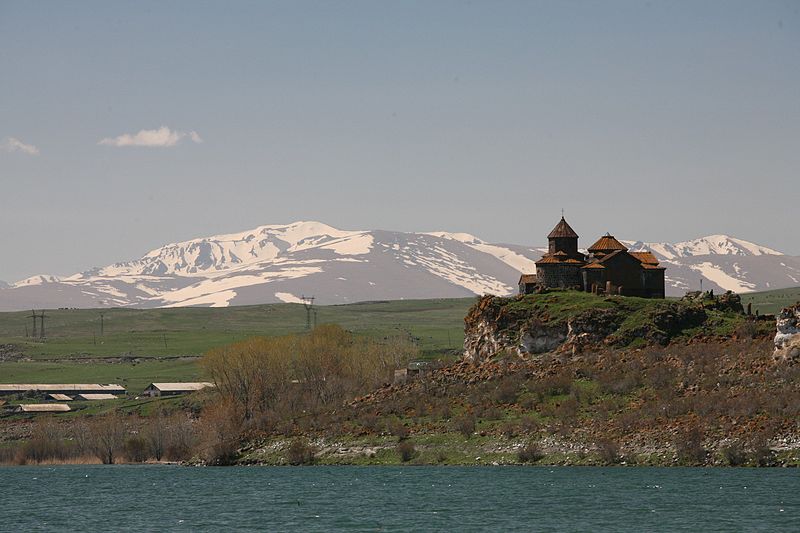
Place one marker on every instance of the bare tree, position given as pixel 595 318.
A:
pixel 107 438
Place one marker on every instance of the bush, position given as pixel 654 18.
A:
pixel 748 329
pixel 317 369
pixel 46 443
pixel 135 450
pixel 220 431
pixel 529 425
pixel 734 454
pixel 397 428
pixel 300 452
pixel 406 450
pixel 369 421
pixel 507 390
pixel 465 425
pixel 530 453
pixel 689 447
pixel 608 451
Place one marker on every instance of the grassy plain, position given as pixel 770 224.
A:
pixel 771 302
pixel 436 326
pixel 141 346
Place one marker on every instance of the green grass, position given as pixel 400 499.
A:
pixel 436 325
pixel 771 302
pixel 75 352
pixel 135 377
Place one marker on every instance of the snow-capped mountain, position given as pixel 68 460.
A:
pixel 280 263
pixel 711 245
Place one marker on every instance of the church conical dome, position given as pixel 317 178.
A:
pixel 562 230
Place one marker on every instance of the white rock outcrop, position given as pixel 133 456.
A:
pixel 787 339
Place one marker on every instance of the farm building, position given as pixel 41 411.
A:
pixel 42 408
pixel 95 397
pixel 608 269
pixel 59 397
pixel 61 388
pixel 172 389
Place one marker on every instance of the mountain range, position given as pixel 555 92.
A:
pixel 283 263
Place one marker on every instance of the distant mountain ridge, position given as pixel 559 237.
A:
pixel 279 263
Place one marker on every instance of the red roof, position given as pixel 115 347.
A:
pixel 548 259
pixel 594 265
pixel 562 229
pixel 607 243
pixel 645 257
pixel 528 278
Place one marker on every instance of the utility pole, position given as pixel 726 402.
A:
pixel 33 316
pixel 101 324
pixel 42 331
pixel 308 303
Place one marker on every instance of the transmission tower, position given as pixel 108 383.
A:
pixel 41 331
pixel 308 303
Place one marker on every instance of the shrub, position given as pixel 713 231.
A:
pixel 530 453
pixel 135 450
pixel 46 443
pixel 300 452
pixel 734 454
pixel 689 447
pixel 763 455
pixel 509 429
pixel 465 425
pixel 508 390
pixel 608 451
pixel 406 450
pixel 369 421
pixel 748 329
pixel 529 424
pixel 220 430
pixel 397 428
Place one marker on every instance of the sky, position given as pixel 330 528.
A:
pixel 128 125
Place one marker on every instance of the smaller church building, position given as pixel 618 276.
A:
pixel 609 268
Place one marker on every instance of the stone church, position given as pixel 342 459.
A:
pixel 609 268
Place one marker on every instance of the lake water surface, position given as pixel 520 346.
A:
pixel 172 498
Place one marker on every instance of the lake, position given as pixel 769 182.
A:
pixel 173 498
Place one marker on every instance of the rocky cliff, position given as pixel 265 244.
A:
pixel 787 339
pixel 569 321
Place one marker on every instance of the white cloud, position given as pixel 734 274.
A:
pixel 10 144
pixel 163 137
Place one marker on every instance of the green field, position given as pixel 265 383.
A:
pixel 141 346
pixel 771 302
pixel 435 325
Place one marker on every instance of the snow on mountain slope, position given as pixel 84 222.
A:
pixel 710 245
pixel 504 254
pixel 279 263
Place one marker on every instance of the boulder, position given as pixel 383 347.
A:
pixel 787 338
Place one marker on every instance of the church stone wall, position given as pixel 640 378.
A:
pixel 560 276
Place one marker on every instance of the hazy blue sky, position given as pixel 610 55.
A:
pixel 653 120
